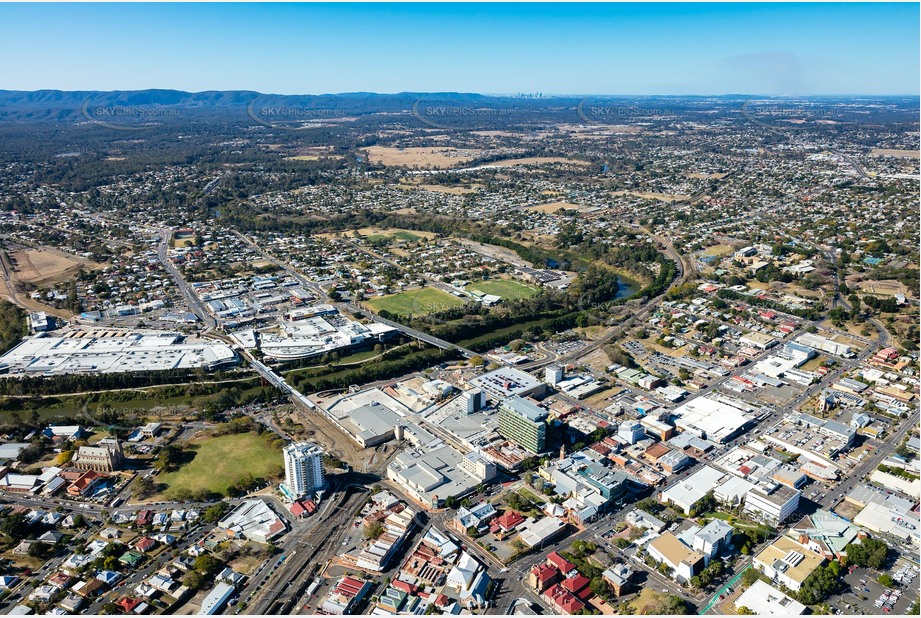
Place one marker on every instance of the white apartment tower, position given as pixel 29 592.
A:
pixel 553 375
pixel 303 468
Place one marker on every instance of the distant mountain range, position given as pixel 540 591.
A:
pixel 62 105
pixel 218 98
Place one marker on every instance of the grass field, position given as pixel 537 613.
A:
pixel 530 495
pixel 718 250
pixel 416 302
pixel 508 290
pixel 220 461
pixel 649 601
pixel 399 235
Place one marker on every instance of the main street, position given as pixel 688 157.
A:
pixel 191 298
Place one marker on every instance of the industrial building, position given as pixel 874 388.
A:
pixel 370 417
pixel 434 474
pixel 817 439
pixel 253 520
pixel 687 492
pixel 111 351
pixel 715 418
pixel 823 344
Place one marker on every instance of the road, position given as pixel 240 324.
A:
pixel 412 332
pixel 316 289
pixel 686 268
pixel 858 472
pixel 191 298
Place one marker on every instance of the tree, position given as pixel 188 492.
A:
pixel 207 565
pixel 215 512
pixel 854 301
pixel 40 550
pixel 194 580
pixel 635 533
pixel 750 576
pixel 168 459
pixel 601 587
pixel 838 315
pixel 674 605
pixel 745 611
pixel 374 530
pixel 870 553
pixel 820 584
pixel 886 580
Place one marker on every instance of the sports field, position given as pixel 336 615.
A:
pixel 221 461
pixel 416 302
pixel 508 290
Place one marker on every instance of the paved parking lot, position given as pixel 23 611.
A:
pixel 872 590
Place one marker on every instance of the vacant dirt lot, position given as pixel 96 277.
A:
pixel 535 161
pixel 662 197
pixel 438 158
pixel 442 188
pixel 890 152
pixel 555 206
pixel 36 265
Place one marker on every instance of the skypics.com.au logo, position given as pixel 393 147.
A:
pixel 291 117
pixel 458 117
pixel 601 113
pixel 790 115
pixel 126 117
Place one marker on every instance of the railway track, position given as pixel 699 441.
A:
pixel 284 590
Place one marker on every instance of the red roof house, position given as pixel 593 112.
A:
pixel 128 604
pixel 509 520
pixel 542 576
pixel 561 563
pixel 562 601
pixel 576 583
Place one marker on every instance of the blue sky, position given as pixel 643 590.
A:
pixel 775 49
